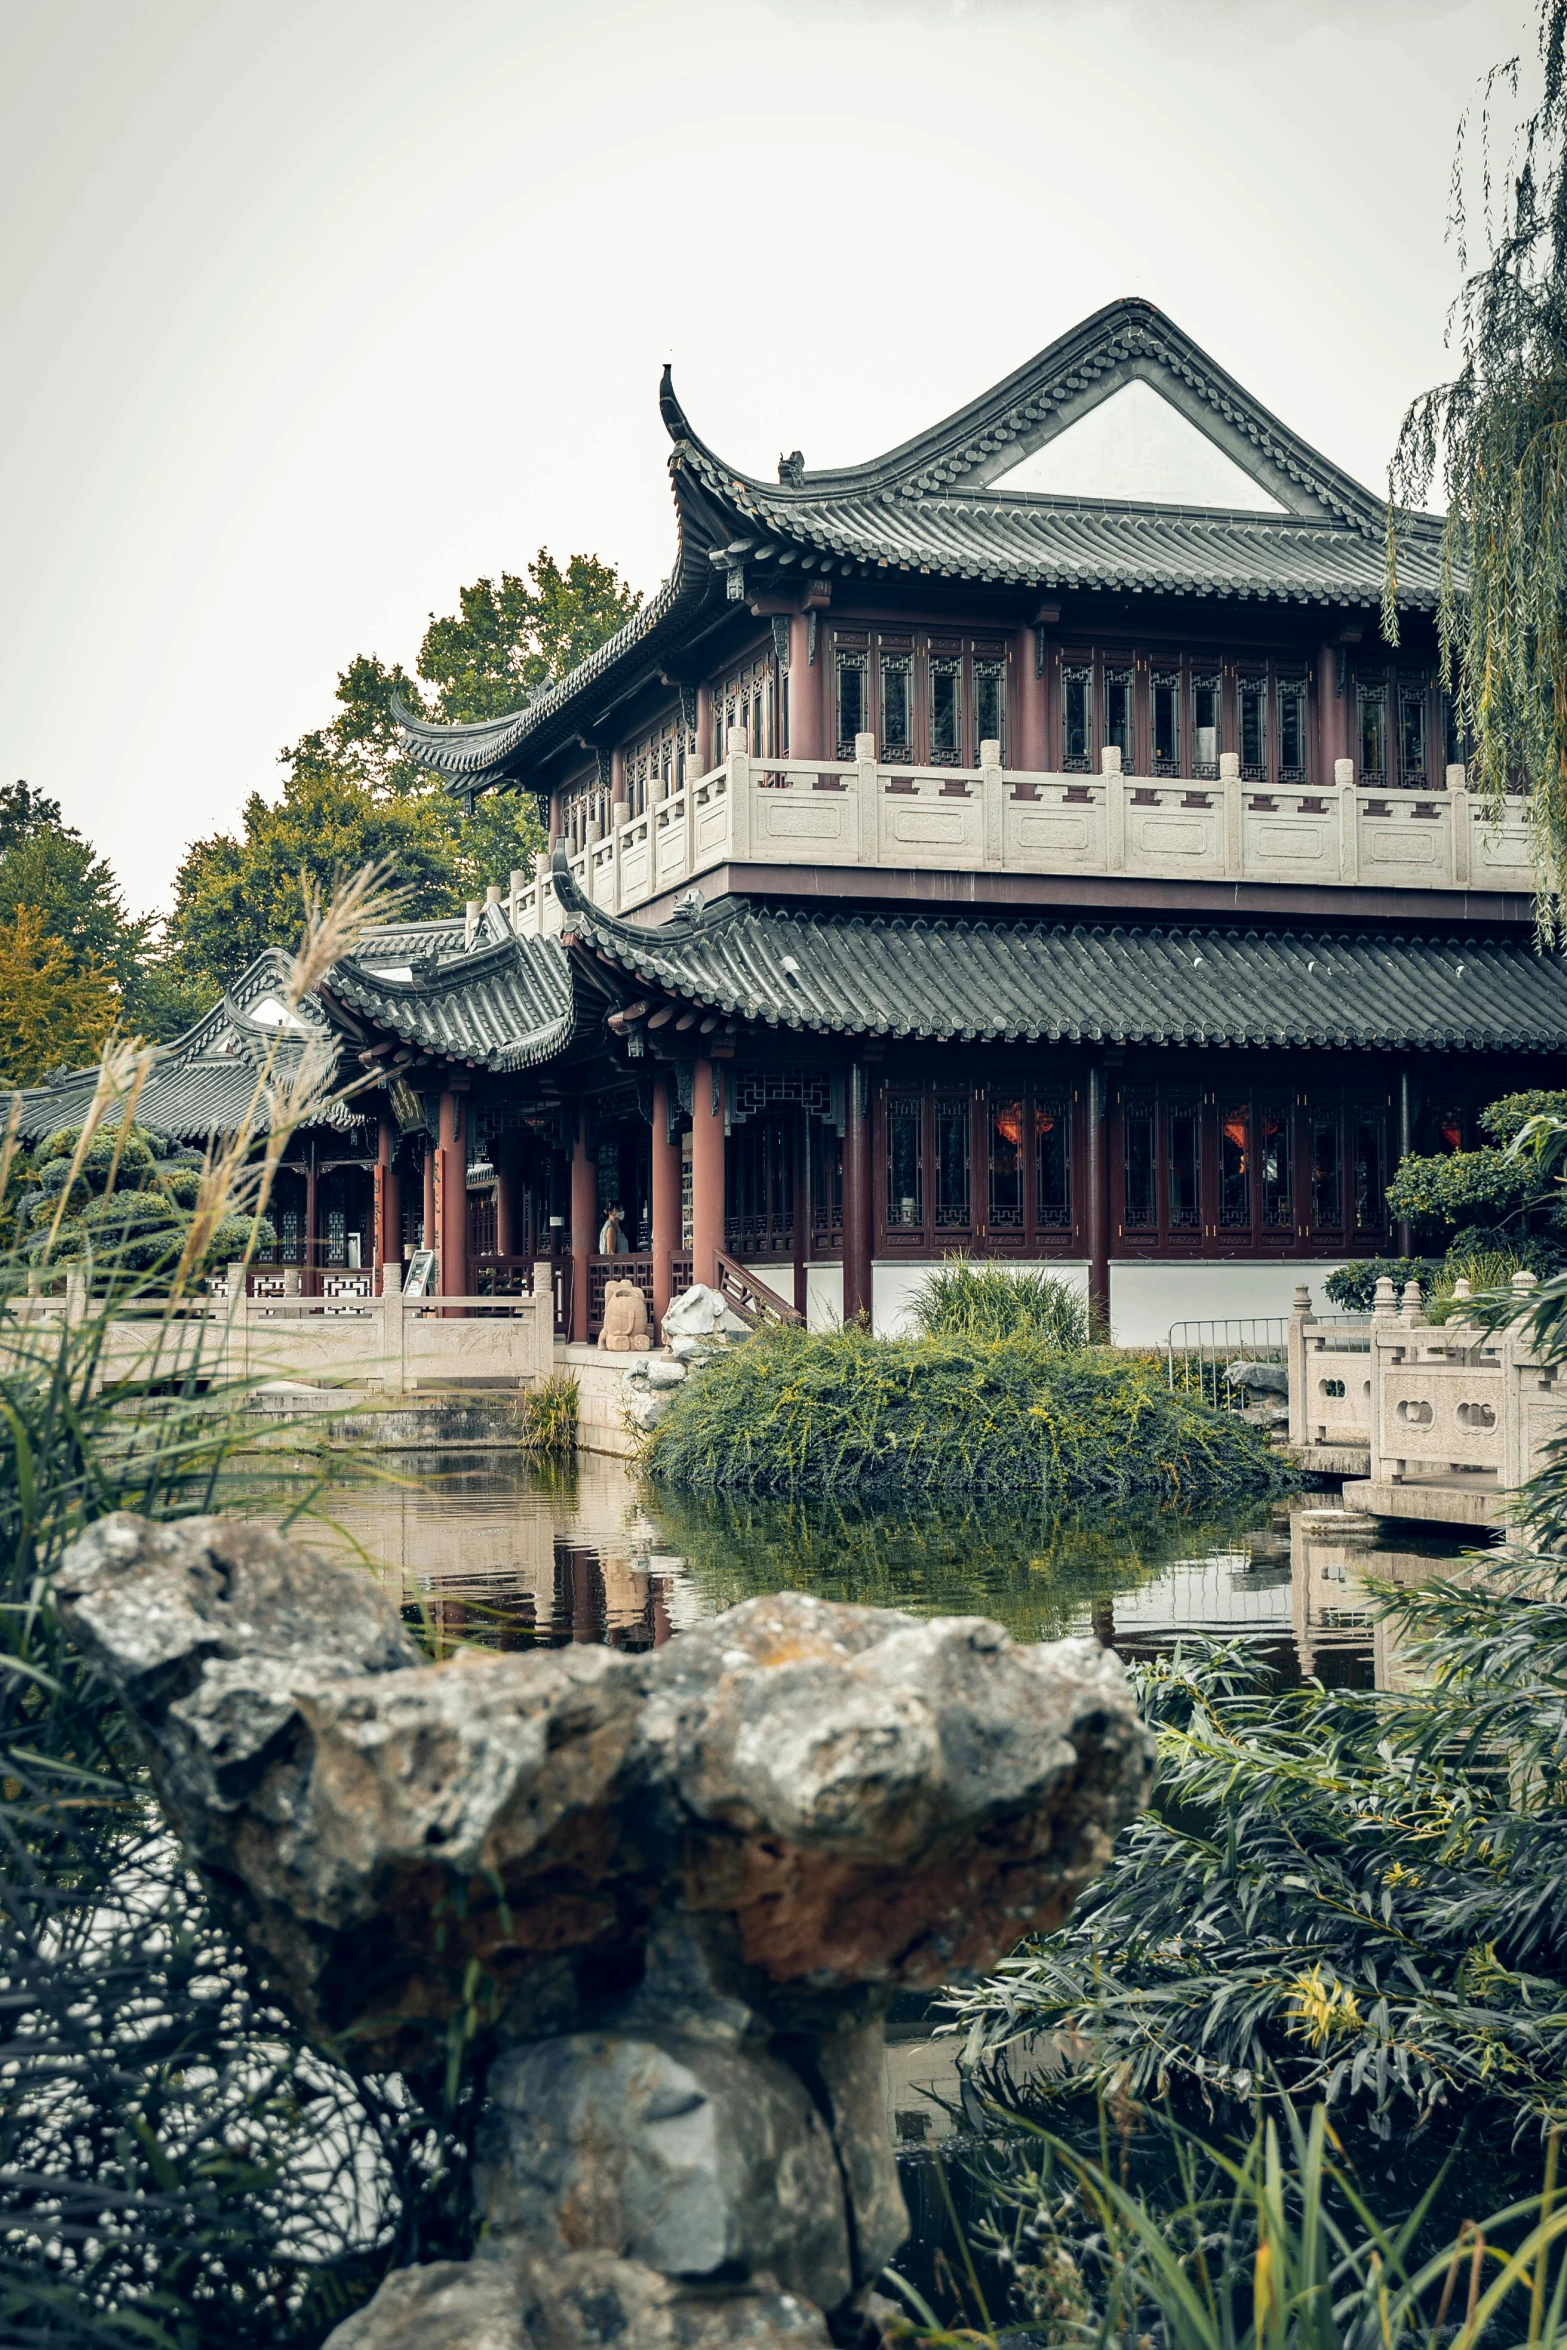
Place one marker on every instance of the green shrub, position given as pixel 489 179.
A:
pixel 138 1227
pixel 549 1417
pixel 843 1415
pixel 1355 1894
pixel 1138 2231
pixel 1353 1287
pixel 990 1301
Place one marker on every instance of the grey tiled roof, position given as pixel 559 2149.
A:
pixel 928 508
pixel 189 1096
pixel 1060 982
pixel 501 1007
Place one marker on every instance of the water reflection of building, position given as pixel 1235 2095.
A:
pixel 1331 1604
pixel 508 1568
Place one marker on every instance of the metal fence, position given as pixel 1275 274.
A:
pixel 1198 1354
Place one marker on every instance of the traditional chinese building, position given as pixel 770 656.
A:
pixel 944 861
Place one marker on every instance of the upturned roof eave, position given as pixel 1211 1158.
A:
pixel 474 757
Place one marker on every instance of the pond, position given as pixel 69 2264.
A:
pixel 505 1557
pixel 509 1557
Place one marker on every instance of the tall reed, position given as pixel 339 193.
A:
pixel 176 2168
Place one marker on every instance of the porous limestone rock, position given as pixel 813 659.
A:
pixel 697 2159
pixel 647 1407
pixel 584 2301
pixel 675 1892
pixel 665 1374
pixel 444 2305
pixel 1259 1378
pixel 700 1312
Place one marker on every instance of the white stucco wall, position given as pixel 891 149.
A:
pixel 1145 1299
pixel 894 1286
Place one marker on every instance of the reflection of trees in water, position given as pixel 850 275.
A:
pixel 1038 1572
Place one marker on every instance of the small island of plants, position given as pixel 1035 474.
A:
pixel 1001 1392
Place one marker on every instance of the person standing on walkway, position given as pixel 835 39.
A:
pixel 612 1238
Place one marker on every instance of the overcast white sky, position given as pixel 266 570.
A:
pixel 312 311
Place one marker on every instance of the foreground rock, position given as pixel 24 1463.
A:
pixel 679 1890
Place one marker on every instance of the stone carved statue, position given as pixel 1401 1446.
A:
pixel 627 1327
pixel 690 1883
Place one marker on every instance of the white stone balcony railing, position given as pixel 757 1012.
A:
pixel 1448 1419
pixel 992 819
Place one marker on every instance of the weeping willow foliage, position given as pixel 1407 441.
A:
pixel 1496 435
pixel 842 1415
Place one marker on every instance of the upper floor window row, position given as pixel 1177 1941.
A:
pixel 658 764
pixel 929 700
pixel 1175 715
pixel 748 701
pixel 1405 733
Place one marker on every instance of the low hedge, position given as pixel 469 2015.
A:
pixel 844 1415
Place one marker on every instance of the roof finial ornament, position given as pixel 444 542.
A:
pixel 791 469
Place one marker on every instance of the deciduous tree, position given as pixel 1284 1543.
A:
pixel 54 1010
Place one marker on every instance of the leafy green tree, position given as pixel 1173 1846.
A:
pixel 75 892
pixel 1496 434
pixel 1492 1196
pixel 508 641
pixel 53 1012
pixel 23 812
pixel 352 796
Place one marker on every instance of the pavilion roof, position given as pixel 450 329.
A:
pixel 203 1083
pixel 503 1006
pixel 935 507
pixel 1035 981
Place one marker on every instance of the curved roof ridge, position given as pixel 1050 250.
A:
pixel 1124 331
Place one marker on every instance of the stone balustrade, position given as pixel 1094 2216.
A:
pixel 1440 1420
pixel 993 819
pixel 664 1899
pixel 392 1342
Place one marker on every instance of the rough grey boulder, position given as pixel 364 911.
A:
pixel 674 1893
pixel 1259 1378
pixel 696 2159
pixel 700 1312
pixel 583 2301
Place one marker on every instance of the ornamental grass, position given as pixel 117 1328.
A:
pixel 842 1415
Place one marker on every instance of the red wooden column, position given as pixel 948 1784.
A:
pixel 506 1150
pixel 857 1224
pixel 799 1190
pixel 310 1281
pixel 666 1201
pixel 705 751
pixel 1098 1156
pixel 388 1195
pixel 427 1204
pixel 451 1199
pixel 1029 752
pixel 707 1175
pixel 1332 714
pixel 584 1225
pixel 804 687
